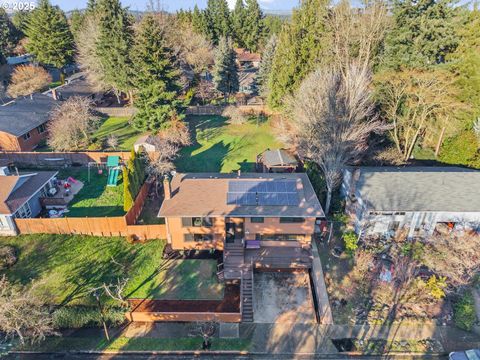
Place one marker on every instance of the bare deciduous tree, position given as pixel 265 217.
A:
pixel 418 104
pixel 23 313
pixel 356 34
pixel 112 141
pixel 71 124
pixel 235 115
pixel 167 144
pixel 27 79
pixel 86 40
pixel 205 90
pixel 332 118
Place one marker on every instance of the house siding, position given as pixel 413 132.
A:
pixel 270 226
pixel 10 142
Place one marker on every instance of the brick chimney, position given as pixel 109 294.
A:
pixel 167 189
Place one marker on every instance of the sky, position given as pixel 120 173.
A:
pixel 172 5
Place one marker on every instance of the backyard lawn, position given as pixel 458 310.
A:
pixel 222 147
pixel 119 127
pixel 69 266
pixel 95 198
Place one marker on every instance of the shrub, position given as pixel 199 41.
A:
pixel 8 256
pixel 74 317
pixel 350 242
pixel 413 249
pixel 464 312
pixel 461 150
pixel 437 286
pixel 235 115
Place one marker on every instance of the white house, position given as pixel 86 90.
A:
pixel 385 199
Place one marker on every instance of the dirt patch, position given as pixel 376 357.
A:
pixel 283 297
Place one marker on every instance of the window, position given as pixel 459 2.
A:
pixel 280 237
pixel 197 237
pixel 24 212
pixel 202 237
pixel 257 220
pixel 41 128
pixel 26 136
pixel 287 220
pixel 201 222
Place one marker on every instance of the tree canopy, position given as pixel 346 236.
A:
pixel 49 36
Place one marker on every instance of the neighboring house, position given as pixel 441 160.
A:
pixel 145 143
pixel 269 218
pixel 20 196
pixel 23 122
pixel 277 161
pixel 76 85
pixel 384 200
pixel 19 60
pixel 247 59
pixel 248 82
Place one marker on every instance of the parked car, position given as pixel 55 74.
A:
pixel 473 354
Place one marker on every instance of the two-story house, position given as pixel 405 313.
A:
pixel 256 219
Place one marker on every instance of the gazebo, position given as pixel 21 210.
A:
pixel 276 161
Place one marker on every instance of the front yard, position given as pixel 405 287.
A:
pixel 388 280
pixel 68 267
pixel 219 146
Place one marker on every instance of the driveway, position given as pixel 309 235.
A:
pixel 282 297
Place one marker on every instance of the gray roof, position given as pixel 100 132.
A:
pixel 205 194
pixel 451 189
pixel 24 114
pixel 77 86
pixel 278 158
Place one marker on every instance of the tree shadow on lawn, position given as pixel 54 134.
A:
pixel 91 271
pixel 181 280
pixel 209 160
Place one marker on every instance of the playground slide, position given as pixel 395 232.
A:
pixel 112 177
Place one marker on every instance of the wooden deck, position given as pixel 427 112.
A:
pixel 280 257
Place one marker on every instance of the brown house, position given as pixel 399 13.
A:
pixel 23 122
pixel 256 219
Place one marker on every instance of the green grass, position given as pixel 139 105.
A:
pixel 67 267
pixel 119 127
pixel 137 344
pixel 95 198
pixel 182 279
pixel 222 147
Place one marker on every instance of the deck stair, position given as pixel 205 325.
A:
pixel 247 294
pixel 233 261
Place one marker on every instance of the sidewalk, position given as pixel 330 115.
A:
pixel 289 338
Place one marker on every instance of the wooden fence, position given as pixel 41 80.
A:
pixel 117 111
pixel 218 109
pixel 59 159
pixel 98 226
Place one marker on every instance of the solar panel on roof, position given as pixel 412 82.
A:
pixel 262 192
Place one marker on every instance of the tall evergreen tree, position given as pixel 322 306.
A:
pixel 300 46
pixel 217 20
pixel 5 36
pixel 198 21
pixel 225 72
pixel 423 33
pixel 253 26
pixel 266 65
pixel 465 62
pixel 239 16
pixel 154 78
pixel 91 6
pixel 49 37
pixel 76 21
pixel 114 43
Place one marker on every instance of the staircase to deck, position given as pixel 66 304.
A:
pixel 233 261
pixel 247 294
